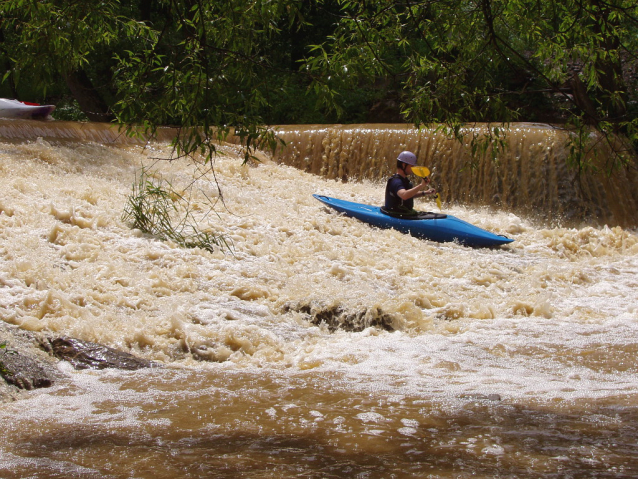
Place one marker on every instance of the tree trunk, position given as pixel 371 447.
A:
pixel 89 99
pixel 583 101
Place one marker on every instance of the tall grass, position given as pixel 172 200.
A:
pixel 155 207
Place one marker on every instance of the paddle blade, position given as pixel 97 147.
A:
pixel 438 201
pixel 421 171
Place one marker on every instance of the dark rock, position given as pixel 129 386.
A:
pixel 25 372
pixel 88 355
pixel 22 364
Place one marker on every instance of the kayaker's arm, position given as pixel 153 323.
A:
pixel 429 192
pixel 414 192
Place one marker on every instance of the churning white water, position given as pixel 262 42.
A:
pixel 516 361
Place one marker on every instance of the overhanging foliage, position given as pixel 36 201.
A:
pixel 219 68
pixel 570 61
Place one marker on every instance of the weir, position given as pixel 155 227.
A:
pixel 60 131
pixel 529 174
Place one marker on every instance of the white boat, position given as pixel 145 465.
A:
pixel 24 110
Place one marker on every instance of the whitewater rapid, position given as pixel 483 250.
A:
pixel 549 321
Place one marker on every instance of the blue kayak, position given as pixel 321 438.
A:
pixel 432 226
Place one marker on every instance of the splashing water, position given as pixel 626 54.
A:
pixel 516 361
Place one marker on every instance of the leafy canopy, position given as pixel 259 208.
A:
pixel 216 67
pixel 572 61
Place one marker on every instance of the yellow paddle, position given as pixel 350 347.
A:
pixel 423 172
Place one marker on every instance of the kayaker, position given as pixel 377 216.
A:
pixel 399 191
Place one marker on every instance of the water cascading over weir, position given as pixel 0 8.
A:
pixel 529 174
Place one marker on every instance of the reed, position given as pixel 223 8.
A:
pixel 155 207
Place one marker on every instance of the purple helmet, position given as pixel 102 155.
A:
pixel 407 157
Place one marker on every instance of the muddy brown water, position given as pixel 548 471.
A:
pixel 509 362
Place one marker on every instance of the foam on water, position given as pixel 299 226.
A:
pixel 550 319
pixel 70 265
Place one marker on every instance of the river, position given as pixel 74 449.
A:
pixel 517 361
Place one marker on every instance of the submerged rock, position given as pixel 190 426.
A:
pixel 88 355
pixel 337 317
